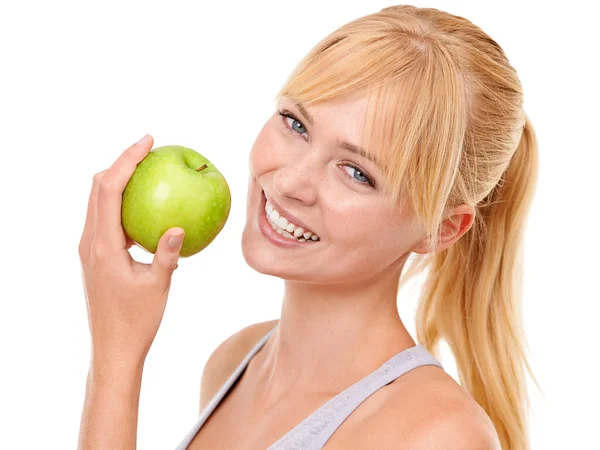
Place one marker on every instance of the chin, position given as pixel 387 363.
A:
pixel 254 252
pixel 259 258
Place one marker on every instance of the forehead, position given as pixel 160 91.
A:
pixel 345 117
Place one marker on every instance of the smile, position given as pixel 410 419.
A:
pixel 286 228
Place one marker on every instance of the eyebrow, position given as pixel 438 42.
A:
pixel 356 149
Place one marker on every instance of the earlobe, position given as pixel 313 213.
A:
pixel 422 247
pixel 451 229
pixel 447 235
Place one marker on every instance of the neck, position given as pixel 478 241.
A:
pixel 329 337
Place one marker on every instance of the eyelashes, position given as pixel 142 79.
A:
pixel 287 114
pixel 284 113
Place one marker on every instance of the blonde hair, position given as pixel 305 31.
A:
pixel 445 117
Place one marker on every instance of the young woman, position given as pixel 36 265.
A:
pixel 401 133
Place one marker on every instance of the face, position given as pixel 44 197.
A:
pixel 337 194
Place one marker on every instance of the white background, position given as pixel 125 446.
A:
pixel 81 81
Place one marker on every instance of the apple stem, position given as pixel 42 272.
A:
pixel 203 166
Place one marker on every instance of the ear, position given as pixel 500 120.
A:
pixel 457 222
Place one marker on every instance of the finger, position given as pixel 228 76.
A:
pixel 167 255
pixel 110 192
pixel 90 219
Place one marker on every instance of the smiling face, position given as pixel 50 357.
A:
pixel 308 172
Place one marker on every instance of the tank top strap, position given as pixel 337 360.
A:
pixel 316 429
pixel 223 390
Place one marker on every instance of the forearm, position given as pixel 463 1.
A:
pixel 110 410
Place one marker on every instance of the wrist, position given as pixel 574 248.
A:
pixel 107 366
pixel 114 382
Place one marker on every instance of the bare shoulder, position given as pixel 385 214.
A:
pixel 227 356
pixel 426 409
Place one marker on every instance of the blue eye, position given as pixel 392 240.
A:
pixel 366 179
pixel 296 124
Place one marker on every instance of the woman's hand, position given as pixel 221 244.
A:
pixel 125 299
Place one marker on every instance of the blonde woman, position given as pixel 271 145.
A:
pixel 401 133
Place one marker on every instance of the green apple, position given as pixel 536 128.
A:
pixel 175 186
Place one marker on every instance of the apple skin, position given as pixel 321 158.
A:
pixel 166 191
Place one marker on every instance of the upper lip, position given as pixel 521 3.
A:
pixel 288 215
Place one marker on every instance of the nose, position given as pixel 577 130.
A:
pixel 297 180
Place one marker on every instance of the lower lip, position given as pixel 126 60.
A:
pixel 267 230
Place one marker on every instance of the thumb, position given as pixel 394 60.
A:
pixel 167 253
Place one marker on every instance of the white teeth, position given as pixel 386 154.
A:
pixel 282 222
pixel 287 228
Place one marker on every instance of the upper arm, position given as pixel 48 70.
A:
pixel 227 356
pixel 451 432
pixel 427 413
pixel 458 431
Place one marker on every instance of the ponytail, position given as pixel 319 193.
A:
pixel 472 299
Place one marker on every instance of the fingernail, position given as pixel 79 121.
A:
pixel 176 240
pixel 143 140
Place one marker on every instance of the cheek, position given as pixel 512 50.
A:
pixel 355 217
pixel 365 232
pixel 367 229
pixel 363 247
pixel 263 150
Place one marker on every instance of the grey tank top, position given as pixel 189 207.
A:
pixel 314 431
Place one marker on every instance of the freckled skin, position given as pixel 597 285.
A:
pixel 165 191
pixel 360 235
